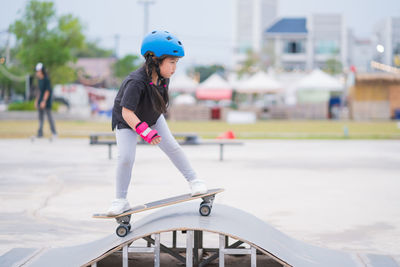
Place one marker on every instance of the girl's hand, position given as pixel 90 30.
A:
pixel 156 140
pixel 149 135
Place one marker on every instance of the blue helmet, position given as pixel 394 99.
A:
pixel 162 43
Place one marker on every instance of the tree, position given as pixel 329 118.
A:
pixel 12 79
pixel 91 49
pixel 206 71
pixel 251 64
pixel 10 85
pixel 44 37
pixel 333 66
pixel 125 65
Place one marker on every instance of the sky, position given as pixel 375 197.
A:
pixel 204 26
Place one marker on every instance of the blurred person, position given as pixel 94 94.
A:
pixel 139 109
pixel 43 101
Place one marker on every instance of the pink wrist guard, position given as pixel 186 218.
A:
pixel 146 132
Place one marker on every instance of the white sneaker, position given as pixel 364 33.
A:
pixel 198 187
pixel 118 206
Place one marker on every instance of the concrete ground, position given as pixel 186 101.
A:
pixel 336 194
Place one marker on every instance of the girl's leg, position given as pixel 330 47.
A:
pixel 173 150
pixel 126 144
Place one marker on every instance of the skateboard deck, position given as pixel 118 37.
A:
pixel 123 219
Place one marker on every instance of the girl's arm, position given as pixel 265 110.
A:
pixel 132 120
pixel 130 117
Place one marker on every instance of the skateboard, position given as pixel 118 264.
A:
pixel 123 219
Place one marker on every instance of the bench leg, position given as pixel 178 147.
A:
pixel 221 152
pixel 109 151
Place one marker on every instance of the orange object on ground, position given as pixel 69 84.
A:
pixel 227 135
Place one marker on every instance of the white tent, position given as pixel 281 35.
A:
pixel 214 88
pixel 182 83
pixel 234 80
pixel 184 99
pixel 259 83
pixel 317 87
pixel 319 80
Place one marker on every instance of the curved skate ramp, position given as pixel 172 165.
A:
pixel 224 220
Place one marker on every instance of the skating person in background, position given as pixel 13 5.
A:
pixel 43 101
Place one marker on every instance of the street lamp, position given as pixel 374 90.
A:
pixel 380 48
pixel 146 4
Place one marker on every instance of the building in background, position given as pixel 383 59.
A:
pixel 285 44
pixel 252 17
pixel 387 41
pixel 328 34
pixel 361 52
pixel 307 43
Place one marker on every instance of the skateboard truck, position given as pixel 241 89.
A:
pixel 124 226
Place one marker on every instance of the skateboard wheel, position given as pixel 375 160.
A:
pixel 205 209
pixel 123 230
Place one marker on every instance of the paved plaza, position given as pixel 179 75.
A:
pixel 336 194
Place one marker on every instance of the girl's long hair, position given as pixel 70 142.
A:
pixel 159 99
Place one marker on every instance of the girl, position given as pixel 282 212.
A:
pixel 138 110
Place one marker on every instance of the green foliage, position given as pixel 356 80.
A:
pixel 333 66
pixel 8 85
pixel 91 49
pixel 63 74
pixel 44 37
pixel 206 71
pixel 28 106
pixel 22 106
pixel 126 65
pixel 250 65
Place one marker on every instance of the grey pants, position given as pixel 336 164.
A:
pixel 126 144
pixel 41 121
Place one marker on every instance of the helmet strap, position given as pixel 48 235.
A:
pixel 160 79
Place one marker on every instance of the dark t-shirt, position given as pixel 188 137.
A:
pixel 134 94
pixel 44 85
